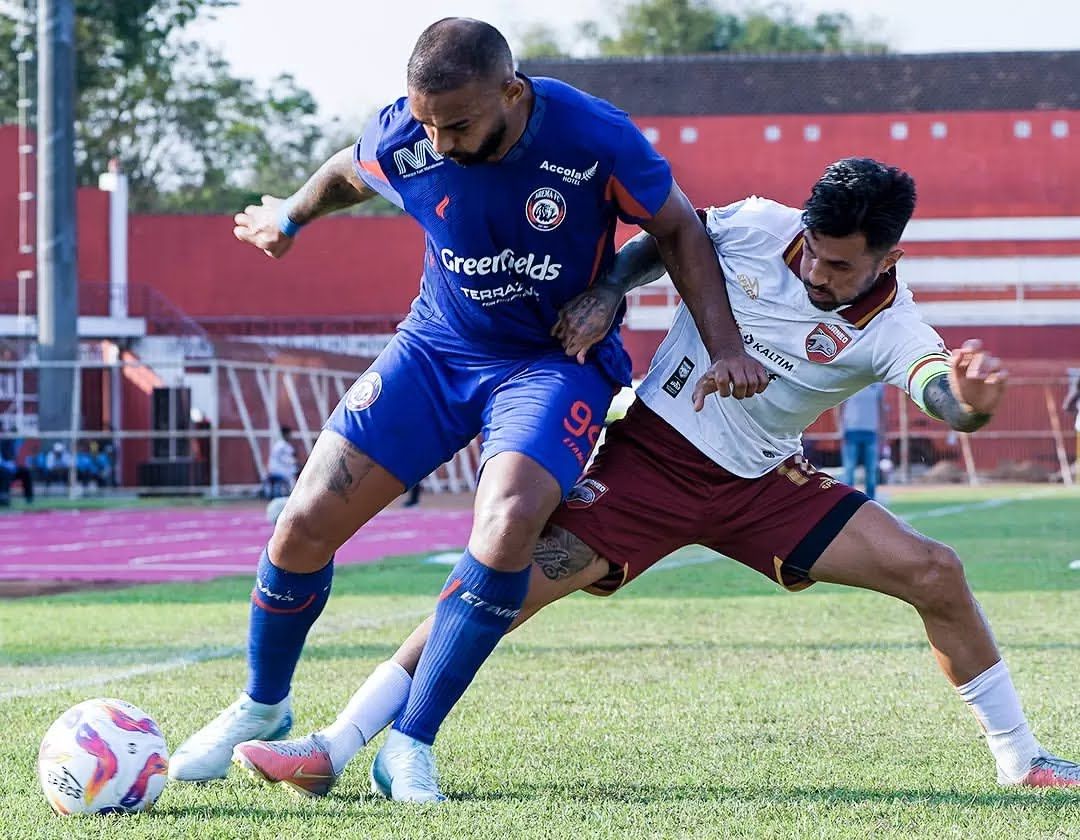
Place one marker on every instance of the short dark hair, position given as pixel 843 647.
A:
pixel 861 195
pixel 453 52
pixel 286 431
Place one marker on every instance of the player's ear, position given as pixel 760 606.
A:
pixel 513 90
pixel 891 259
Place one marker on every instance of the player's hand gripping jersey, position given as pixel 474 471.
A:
pixel 816 358
pixel 509 243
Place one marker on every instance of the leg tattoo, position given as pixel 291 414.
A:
pixel 560 554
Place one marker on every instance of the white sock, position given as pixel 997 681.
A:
pixel 266 710
pixel 371 709
pixel 993 699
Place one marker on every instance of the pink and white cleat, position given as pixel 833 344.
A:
pixel 302 764
pixel 1049 771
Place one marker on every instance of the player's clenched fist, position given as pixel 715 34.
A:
pixel 976 378
pixel 735 375
pixel 259 225
pixel 586 319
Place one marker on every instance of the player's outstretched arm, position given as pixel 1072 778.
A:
pixel 586 319
pixel 272 225
pixel 968 395
pixel 691 262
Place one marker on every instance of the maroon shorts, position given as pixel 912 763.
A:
pixel 650 491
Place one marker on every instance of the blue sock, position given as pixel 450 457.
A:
pixel 284 605
pixel 476 607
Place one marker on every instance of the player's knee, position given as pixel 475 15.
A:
pixel 512 523
pixel 298 543
pixel 937 579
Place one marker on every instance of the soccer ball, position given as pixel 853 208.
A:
pixel 102 756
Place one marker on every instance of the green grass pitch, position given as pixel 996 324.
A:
pixel 701 702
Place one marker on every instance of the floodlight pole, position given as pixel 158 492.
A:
pixel 58 306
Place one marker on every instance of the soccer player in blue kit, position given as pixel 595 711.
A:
pixel 518 184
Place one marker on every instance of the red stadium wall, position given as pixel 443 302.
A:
pixel 340 266
pixel 979 168
pixel 986 164
pixel 93 219
pixel 370 266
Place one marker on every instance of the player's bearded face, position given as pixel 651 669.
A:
pixel 488 145
pixel 838 270
pixel 467 126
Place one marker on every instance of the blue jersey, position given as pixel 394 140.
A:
pixel 509 243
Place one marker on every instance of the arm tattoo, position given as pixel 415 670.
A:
pixel 560 554
pixel 942 402
pixel 334 186
pixel 638 262
pixel 590 315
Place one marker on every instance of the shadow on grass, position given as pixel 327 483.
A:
pixel 1053 800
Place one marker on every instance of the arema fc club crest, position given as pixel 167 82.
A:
pixel 364 391
pixel 545 209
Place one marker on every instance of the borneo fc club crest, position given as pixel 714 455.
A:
pixel 585 493
pixel 825 343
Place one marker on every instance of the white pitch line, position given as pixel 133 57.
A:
pixel 204 554
pixel 949 510
pixel 201 655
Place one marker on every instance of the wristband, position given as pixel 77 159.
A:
pixel 285 224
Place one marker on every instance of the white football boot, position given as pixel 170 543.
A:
pixel 404 771
pixel 208 753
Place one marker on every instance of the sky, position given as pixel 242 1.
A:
pixel 352 64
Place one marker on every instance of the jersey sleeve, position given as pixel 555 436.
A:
pixel 641 179
pixel 753 225
pixel 908 354
pixel 366 157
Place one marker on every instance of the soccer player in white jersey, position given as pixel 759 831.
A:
pixel 818 300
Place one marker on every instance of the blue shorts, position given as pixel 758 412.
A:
pixel 422 400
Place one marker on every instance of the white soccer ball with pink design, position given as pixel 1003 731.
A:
pixel 103 756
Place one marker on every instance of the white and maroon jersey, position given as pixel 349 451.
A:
pixel 815 359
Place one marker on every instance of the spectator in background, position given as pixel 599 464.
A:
pixel 413 496
pixel 282 469
pixel 860 419
pixel 104 464
pixel 84 467
pixel 1072 405
pixel 11 470
pixel 94 465
pixel 57 465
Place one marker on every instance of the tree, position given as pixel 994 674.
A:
pixel 684 27
pixel 191 136
pixel 538 40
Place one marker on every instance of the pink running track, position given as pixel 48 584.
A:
pixel 192 544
